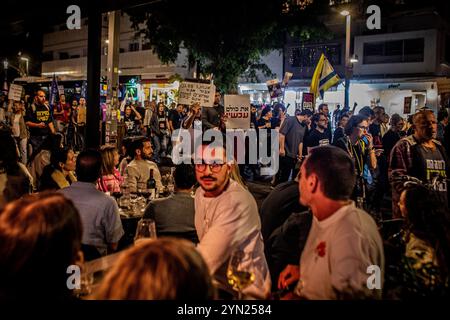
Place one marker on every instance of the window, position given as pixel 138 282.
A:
pixel 47 56
pixel 307 56
pixel 408 50
pixel 63 55
pixel 133 46
pixel 146 46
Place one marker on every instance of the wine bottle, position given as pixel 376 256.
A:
pixel 151 185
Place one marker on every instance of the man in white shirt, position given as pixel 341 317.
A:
pixel 343 247
pixel 227 219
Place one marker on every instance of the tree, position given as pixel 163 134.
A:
pixel 225 38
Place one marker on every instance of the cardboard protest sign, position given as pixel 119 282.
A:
pixel 192 92
pixel 15 92
pixel 308 101
pixel 60 89
pixel 287 77
pixel 274 87
pixel 237 111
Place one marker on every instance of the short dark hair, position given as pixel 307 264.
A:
pixel 367 112
pixel 353 122
pixel 138 144
pixel 184 176
pixel 89 166
pixel 304 112
pixel 316 117
pixel 59 155
pixel 321 106
pixel 335 170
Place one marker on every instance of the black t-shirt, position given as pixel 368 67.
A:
pixel 338 133
pixel 37 114
pixel 176 119
pixel 316 138
pixel 390 138
pixel 131 124
pixel 162 121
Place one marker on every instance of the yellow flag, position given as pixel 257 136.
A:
pixel 324 77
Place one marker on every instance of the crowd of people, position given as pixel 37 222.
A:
pixel 321 232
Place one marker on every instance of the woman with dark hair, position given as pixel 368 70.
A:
pixel 424 247
pixel 40 238
pixel 361 151
pixel 59 173
pixel 162 269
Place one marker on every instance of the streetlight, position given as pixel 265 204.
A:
pixel 348 65
pixel 26 61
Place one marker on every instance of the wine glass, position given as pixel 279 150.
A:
pixel 240 271
pixel 146 229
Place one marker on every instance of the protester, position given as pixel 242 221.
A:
pixel 164 132
pixel 343 241
pixel 318 136
pixel 393 135
pixel 40 238
pixel 420 156
pixel 442 124
pixel 339 132
pixel 161 269
pixel 292 135
pixel 211 117
pixel 19 129
pixel 59 113
pixel 39 120
pixel 423 259
pixel 175 118
pixel 99 212
pixel 132 121
pixel 323 109
pixel 362 153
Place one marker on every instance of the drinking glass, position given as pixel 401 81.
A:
pixel 146 229
pixel 240 271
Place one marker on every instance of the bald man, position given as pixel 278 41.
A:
pixel 421 156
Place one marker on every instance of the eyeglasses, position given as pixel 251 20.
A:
pixel 363 128
pixel 214 167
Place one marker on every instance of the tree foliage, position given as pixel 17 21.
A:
pixel 226 38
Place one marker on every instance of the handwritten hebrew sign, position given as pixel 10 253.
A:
pixel 237 111
pixel 192 92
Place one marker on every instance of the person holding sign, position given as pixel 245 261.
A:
pixel 212 117
pixel 39 120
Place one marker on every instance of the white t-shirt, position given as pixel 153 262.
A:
pixel 16 125
pixel 337 254
pixel 228 222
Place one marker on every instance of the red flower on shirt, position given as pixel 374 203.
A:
pixel 320 249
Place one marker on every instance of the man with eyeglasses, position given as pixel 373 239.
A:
pixel 421 156
pixel 39 120
pixel 226 220
pixel 318 136
pixel 362 152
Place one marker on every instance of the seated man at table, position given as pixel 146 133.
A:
pixel 102 228
pixel 138 170
pixel 174 216
pixel 344 249
pixel 227 220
